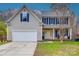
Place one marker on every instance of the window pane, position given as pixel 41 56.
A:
pixel 65 20
pixel 51 20
pixel 45 20
pixel 57 21
pixel 24 17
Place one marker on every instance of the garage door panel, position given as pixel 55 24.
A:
pixel 24 36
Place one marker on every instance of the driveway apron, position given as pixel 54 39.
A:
pixel 18 49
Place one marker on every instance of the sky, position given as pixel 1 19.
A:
pixel 74 7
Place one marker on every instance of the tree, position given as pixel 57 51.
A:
pixel 62 8
pixel 63 11
pixel 3 30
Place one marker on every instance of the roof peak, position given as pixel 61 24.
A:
pixel 24 5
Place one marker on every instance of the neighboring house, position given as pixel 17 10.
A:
pixel 25 25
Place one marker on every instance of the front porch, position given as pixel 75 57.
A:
pixel 54 33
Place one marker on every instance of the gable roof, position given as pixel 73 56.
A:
pixel 33 14
pixel 57 12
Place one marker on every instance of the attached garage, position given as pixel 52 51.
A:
pixel 24 36
pixel 24 25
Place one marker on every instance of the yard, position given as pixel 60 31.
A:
pixel 55 48
pixel 2 43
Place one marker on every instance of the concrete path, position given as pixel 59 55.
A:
pixel 18 49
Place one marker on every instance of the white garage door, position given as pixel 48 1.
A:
pixel 24 36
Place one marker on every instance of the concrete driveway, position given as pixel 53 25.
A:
pixel 18 49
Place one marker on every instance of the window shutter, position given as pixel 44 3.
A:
pixel 27 17
pixel 21 17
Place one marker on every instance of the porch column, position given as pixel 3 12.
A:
pixel 70 33
pixel 53 34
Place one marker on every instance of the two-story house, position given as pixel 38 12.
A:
pixel 25 25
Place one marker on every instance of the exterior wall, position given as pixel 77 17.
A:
pixel 32 25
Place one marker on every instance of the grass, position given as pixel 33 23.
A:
pixel 55 48
pixel 1 43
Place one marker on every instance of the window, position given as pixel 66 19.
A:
pixel 65 21
pixel 57 21
pixel 45 20
pixel 24 17
pixel 51 20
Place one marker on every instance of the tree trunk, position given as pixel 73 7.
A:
pixel 62 36
pixel 1 38
pixel 61 32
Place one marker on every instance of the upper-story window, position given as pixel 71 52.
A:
pixel 24 17
pixel 45 20
pixel 57 21
pixel 54 20
pixel 66 20
pixel 51 20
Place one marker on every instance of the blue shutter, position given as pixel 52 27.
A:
pixel 44 20
pixel 21 17
pixel 27 17
pixel 47 20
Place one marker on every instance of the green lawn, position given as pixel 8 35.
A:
pixel 1 43
pixel 55 48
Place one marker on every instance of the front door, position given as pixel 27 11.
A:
pixel 56 34
pixel 66 35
